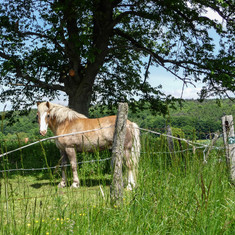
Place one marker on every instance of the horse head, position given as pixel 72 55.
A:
pixel 43 116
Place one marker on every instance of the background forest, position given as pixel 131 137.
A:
pixel 192 118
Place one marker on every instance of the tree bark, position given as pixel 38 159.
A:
pixel 80 98
pixel 79 87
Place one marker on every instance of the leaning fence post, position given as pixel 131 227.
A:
pixel 116 188
pixel 213 141
pixel 229 143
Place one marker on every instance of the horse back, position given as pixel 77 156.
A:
pixel 97 133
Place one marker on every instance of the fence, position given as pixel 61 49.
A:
pixel 117 181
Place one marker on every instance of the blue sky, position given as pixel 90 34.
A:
pixel 171 85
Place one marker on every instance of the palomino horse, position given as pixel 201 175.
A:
pixel 62 120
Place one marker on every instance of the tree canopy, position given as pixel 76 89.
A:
pixel 101 50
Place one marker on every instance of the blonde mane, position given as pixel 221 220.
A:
pixel 60 112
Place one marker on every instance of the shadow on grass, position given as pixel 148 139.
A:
pixel 89 182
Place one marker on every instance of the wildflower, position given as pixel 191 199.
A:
pixel 47 233
pixel 36 221
pixel 58 219
pixel 28 225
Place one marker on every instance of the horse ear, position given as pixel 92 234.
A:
pixel 38 102
pixel 48 104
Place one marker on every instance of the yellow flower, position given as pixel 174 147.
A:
pixel 36 221
pixel 47 233
pixel 58 219
pixel 28 225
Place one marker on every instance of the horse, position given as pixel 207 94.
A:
pixel 93 134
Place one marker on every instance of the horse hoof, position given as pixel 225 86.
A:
pixel 62 184
pixel 129 187
pixel 75 185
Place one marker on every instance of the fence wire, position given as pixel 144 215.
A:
pixel 53 167
pixel 53 137
pixel 191 143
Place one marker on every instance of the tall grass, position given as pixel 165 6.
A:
pixel 176 194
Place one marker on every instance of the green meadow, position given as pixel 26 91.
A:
pixel 176 193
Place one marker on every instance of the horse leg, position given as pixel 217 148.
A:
pixel 63 182
pixel 73 161
pixel 131 174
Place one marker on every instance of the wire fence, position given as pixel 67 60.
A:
pixel 54 167
pixel 53 137
pixel 194 144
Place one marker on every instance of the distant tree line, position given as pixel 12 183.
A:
pixel 193 118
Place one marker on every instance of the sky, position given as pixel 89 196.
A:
pixel 170 84
pixel 173 86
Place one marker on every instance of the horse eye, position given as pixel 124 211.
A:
pixel 48 115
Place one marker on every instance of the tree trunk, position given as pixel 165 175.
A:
pixel 80 98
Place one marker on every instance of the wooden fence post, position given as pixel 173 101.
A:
pixel 213 141
pixel 229 143
pixel 116 188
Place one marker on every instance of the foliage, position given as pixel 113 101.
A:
pixel 192 117
pixel 96 51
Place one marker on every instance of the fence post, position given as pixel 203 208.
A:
pixel 229 143
pixel 213 141
pixel 116 188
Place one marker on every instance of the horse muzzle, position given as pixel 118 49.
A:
pixel 43 133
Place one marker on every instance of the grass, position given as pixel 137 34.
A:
pixel 176 194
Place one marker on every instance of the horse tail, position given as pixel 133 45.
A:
pixel 135 150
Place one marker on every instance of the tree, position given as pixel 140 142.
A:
pixel 96 50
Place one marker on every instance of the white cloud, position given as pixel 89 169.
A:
pixel 188 93
pixel 213 15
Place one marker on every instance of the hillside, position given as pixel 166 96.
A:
pixel 201 118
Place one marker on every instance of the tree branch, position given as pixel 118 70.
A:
pixel 20 74
pixel 40 35
pixel 147 70
pixel 160 60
